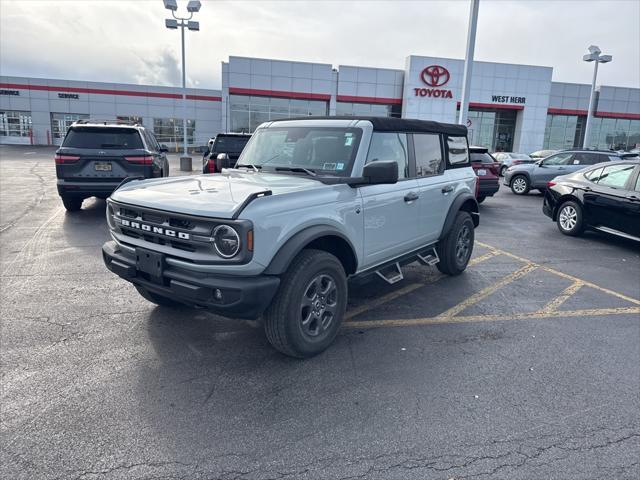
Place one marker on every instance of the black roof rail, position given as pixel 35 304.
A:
pixel 84 121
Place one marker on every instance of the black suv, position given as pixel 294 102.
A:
pixel 96 156
pixel 224 151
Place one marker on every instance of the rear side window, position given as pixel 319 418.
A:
pixel 458 151
pixel 428 154
pixel 103 138
pixel 390 146
pixel 583 158
pixel 615 176
pixel 593 175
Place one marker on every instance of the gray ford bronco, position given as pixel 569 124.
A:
pixel 310 204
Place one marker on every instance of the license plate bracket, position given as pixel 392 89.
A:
pixel 102 166
pixel 149 262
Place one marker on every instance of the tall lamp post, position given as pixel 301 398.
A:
pixel 183 22
pixel 595 56
pixel 468 62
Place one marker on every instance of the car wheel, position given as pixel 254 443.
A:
pixel 570 220
pixel 157 299
pixel 520 185
pixel 304 317
pixel 481 198
pixel 503 169
pixel 456 248
pixel 72 204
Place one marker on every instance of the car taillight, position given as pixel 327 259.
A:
pixel 211 165
pixel 551 183
pixel 61 159
pixel 477 189
pixel 516 162
pixel 146 160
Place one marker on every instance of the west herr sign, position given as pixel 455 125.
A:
pixel 507 99
pixel 434 76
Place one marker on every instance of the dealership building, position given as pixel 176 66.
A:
pixel 512 107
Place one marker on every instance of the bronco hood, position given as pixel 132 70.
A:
pixel 218 195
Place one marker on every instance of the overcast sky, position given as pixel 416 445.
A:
pixel 126 41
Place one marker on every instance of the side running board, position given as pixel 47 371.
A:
pixel 392 273
pixel 429 257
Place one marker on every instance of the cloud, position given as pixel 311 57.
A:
pixel 161 68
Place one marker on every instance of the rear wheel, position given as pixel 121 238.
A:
pixel 456 248
pixel 157 299
pixel 306 313
pixel 481 198
pixel 72 204
pixel 570 221
pixel 520 185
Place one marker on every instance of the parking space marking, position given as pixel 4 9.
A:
pixel 409 288
pixel 485 292
pixel 554 304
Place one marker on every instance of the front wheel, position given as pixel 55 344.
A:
pixel 306 313
pixel 503 169
pixel 520 185
pixel 456 248
pixel 570 219
pixel 72 204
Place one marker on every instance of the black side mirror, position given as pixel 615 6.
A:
pixel 381 172
pixel 164 148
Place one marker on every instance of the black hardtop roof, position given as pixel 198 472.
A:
pixel 393 124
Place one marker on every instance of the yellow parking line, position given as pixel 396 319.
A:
pixel 553 305
pixel 482 258
pixel 485 292
pixel 490 318
pixel 564 275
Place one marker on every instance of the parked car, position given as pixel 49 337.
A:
pixel 508 159
pixel 309 204
pixel 224 151
pixel 603 197
pixel 487 169
pixel 96 156
pixel 522 178
pixel 539 154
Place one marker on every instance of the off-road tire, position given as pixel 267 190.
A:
pixel 72 204
pixel 570 219
pixel 515 182
pixel 157 299
pixel 283 324
pixel 451 263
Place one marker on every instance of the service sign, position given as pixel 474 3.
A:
pixel 73 96
pixel 10 92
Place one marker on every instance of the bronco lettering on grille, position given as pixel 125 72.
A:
pixel 159 230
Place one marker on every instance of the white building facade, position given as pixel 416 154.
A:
pixel 512 107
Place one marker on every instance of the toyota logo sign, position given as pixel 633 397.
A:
pixel 435 75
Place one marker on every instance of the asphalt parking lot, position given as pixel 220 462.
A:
pixel 524 367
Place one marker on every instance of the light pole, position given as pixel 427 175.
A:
pixel 183 22
pixel 595 56
pixel 468 62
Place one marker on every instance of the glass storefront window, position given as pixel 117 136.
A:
pixel 247 112
pixel 15 124
pixel 368 109
pixel 133 119
pixel 169 130
pixel 563 131
pixel 492 129
pixel 60 123
pixel 614 133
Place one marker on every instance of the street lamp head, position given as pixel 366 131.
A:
pixel 194 6
pixel 590 57
pixel 595 50
pixel 171 23
pixel 605 58
pixel 170 5
pixel 193 26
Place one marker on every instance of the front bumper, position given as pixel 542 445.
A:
pixel 549 205
pixel 242 297
pixel 86 189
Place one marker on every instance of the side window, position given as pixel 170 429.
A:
pixel 637 187
pixel 615 176
pixel 593 175
pixel 559 159
pixel 148 140
pixel 390 146
pixel 588 159
pixel 428 154
pixel 458 151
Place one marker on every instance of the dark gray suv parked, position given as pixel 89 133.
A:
pixel 96 156
pixel 525 177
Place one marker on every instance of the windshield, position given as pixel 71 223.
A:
pixel 329 150
pixel 103 138
pixel 230 144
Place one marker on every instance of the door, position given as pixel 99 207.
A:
pixel 433 185
pixel 607 204
pixel 390 211
pixel 550 168
pixel 632 207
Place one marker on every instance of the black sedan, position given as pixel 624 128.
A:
pixel 603 197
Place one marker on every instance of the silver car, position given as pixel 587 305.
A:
pixel 508 159
pixel 523 178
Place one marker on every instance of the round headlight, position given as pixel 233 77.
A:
pixel 226 241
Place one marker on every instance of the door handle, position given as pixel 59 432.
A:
pixel 633 198
pixel 447 189
pixel 411 196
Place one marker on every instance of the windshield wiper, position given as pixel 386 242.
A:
pixel 297 169
pixel 249 165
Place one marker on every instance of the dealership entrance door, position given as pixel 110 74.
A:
pixel 493 129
